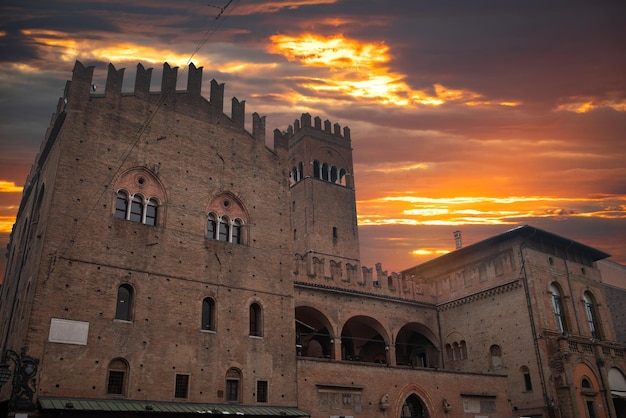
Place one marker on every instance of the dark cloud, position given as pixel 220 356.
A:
pixel 540 54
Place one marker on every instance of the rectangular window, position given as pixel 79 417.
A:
pixel 182 386
pixel 261 391
pixel 591 410
pixel 116 383
pixel 232 390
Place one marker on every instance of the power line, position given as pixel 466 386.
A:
pixel 207 35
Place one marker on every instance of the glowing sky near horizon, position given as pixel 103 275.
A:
pixel 477 118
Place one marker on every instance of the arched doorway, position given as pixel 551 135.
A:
pixel 413 407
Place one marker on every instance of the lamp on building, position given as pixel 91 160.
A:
pixel 23 382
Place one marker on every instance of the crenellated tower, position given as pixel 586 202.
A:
pixel 323 206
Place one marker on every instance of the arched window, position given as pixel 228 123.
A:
pixel 233 385
pixel 236 233
pixel 256 320
pixel 528 385
pixel 463 347
pixel 317 170
pixel 342 175
pixel 496 357
pixel 208 314
pixel 592 316
pixel 456 351
pixel 121 204
pixel 449 352
pixel 136 209
pixel 413 407
pixel 224 230
pixel 334 174
pixel 151 212
pixel 117 377
pixel 123 308
pixel 226 217
pixel 557 307
pixel 211 227
pixel 293 175
pixel 139 197
pixel 325 170
pixel 586 384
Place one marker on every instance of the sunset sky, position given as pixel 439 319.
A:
pixel 475 116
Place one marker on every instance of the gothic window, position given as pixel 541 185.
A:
pixel 117 377
pixel 557 307
pixel 236 231
pixel 139 197
pixel 123 308
pixel 256 320
pixel 226 220
pixel 592 316
pixel 208 314
pixel 151 212
pixel 342 175
pixel 413 407
pixel 211 228
pixel 233 389
pixel 136 208
pixel 121 204
pixel 224 229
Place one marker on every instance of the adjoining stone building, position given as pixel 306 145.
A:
pixel 166 261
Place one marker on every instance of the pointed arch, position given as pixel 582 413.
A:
pixel 227 219
pixel 139 197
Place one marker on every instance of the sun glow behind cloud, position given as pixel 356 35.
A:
pixel 69 49
pixel 415 210
pixel 361 70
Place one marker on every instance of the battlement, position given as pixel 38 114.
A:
pixel 345 274
pixel 81 88
pixel 304 125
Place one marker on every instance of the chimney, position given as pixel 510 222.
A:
pixel 458 239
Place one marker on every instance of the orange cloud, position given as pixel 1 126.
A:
pixel 415 210
pixel 359 70
pixel 69 49
pixel 6 224
pixel 586 104
pixel 9 187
